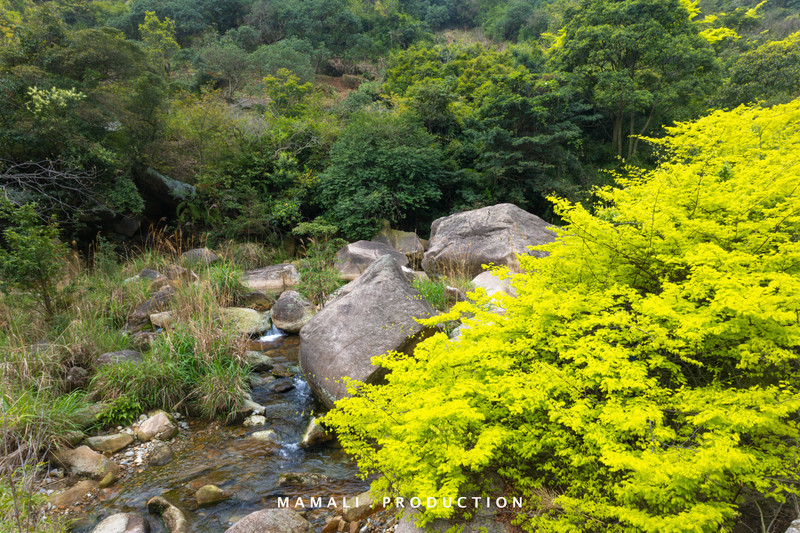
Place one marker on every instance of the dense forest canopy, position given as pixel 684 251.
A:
pixel 277 113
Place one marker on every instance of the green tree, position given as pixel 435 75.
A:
pixel 647 375
pixel 159 41
pixel 636 60
pixel 384 166
pixel 229 63
pixel 31 257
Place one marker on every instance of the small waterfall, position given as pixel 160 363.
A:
pixel 272 335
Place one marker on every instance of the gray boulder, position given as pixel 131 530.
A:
pixel 355 258
pixel 140 316
pixel 123 523
pixel 271 279
pixel 110 443
pixel 291 312
pixel 245 321
pixel 461 243
pixel 115 358
pixel 201 256
pixel 493 284
pixel 375 316
pixel 160 454
pixel 83 461
pixel 404 242
pixel 272 521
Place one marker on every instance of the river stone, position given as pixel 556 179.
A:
pixel 375 317
pixel 291 312
pixel 202 256
pixel 272 521
pixel 71 496
pixel 208 494
pixel 245 321
pixel 122 356
pixel 315 434
pixel 123 523
pixel 355 258
pixel 271 279
pixel 158 426
pixel 255 420
pixel 266 436
pixel 258 361
pixel 282 385
pixel 404 242
pixel 360 507
pixel 493 284
pixel 302 478
pixel 173 517
pixel 160 454
pixel 110 443
pixel 162 320
pixel 460 244
pixel 83 461
pixel 158 302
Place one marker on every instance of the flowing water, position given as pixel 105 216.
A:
pixel 210 453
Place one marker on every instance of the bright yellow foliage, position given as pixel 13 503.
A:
pixel 647 373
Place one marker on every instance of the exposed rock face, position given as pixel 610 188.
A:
pixel 404 242
pixel 461 243
pixel 375 316
pixel 201 256
pixel 83 461
pixel 291 312
pixel 123 356
pixel 71 496
pixel 272 521
pixel 158 426
pixel 493 284
pixel 272 279
pixel 123 523
pixel 355 258
pixel 246 321
pixel 110 443
pixel 160 300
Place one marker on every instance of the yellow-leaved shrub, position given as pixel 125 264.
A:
pixel 646 374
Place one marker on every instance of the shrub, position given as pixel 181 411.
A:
pixel 318 277
pixel 647 372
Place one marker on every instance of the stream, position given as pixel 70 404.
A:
pixel 210 453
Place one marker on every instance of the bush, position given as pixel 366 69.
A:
pixel 646 374
pixel 318 277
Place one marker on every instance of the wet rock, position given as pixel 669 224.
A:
pixel 83 461
pixel 173 517
pixel 332 524
pixel 160 454
pixel 462 243
pixel 258 361
pixel 123 523
pixel 202 256
pixel 403 241
pixel 255 420
pixel 272 279
pixel 375 316
pixel 282 385
pixel 162 320
pixel 140 316
pixel 360 507
pixel 71 496
pixel 77 378
pixel 122 356
pixel 283 370
pixel 209 494
pixel 245 321
pixel 257 380
pixel 315 434
pixel 158 426
pixel 355 258
pixel 266 436
pixel 302 478
pixel 272 521
pixel 110 443
pixel 291 312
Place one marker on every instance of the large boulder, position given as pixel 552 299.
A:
pixel 123 523
pixel 83 461
pixel 201 256
pixel 271 279
pixel 163 189
pixel 404 242
pixel 493 284
pixel 140 316
pixel 291 312
pixel 355 258
pixel 245 321
pixel 272 521
pixel 461 243
pixel 374 317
